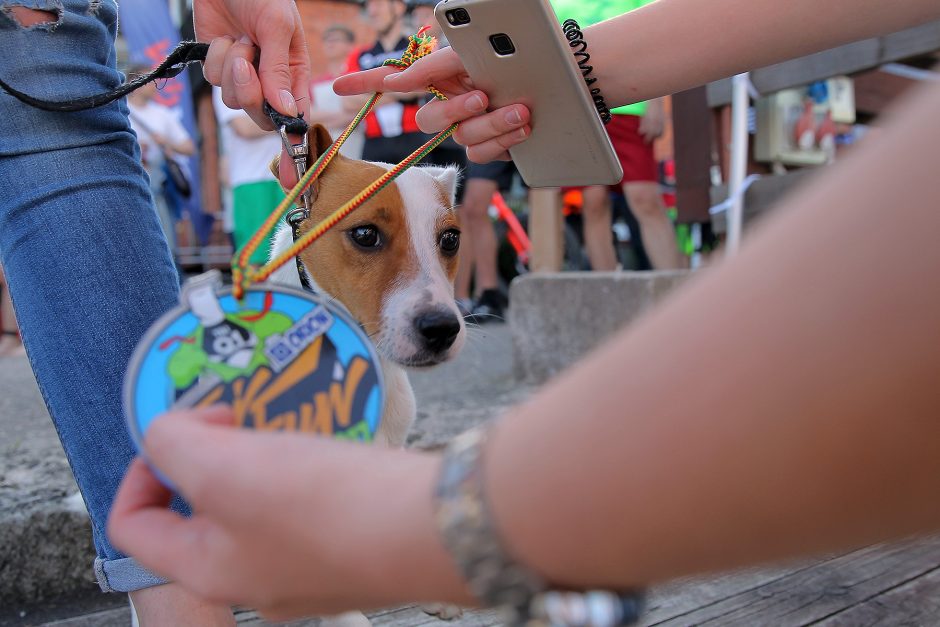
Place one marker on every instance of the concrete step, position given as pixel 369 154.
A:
pixel 556 319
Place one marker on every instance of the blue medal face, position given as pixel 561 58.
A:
pixel 285 360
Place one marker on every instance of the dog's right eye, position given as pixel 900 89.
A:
pixel 366 236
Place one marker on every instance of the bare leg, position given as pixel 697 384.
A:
pixel 476 222
pixel 465 265
pixel 171 605
pixel 598 240
pixel 658 235
pixel 10 344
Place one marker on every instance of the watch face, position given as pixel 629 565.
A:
pixel 283 359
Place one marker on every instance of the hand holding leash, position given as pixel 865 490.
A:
pixel 240 30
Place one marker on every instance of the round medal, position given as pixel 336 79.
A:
pixel 284 360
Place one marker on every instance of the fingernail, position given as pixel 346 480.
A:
pixel 513 118
pixel 241 71
pixel 288 104
pixel 245 39
pixel 521 134
pixel 475 103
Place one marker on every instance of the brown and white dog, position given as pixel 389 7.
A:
pixel 391 264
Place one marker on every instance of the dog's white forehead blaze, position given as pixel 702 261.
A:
pixel 423 191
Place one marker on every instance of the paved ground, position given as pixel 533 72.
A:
pixel 40 523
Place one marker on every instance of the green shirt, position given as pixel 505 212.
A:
pixel 588 12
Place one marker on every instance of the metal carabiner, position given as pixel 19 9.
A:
pixel 298 154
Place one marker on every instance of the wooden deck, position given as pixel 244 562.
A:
pixel 896 584
pixel 882 586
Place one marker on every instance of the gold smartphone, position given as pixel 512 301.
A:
pixel 515 52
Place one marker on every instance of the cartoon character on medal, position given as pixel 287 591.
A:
pixel 283 359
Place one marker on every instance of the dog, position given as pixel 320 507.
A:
pixel 391 265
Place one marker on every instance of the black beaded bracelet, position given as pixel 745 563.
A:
pixel 576 40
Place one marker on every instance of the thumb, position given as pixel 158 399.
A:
pixel 190 447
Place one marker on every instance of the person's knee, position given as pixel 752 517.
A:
pixel 644 200
pixel 476 200
pixel 31 18
pixel 596 212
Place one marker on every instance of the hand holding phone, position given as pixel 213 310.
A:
pixel 516 53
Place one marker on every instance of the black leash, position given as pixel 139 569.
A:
pixel 185 53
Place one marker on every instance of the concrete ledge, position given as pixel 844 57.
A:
pixel 557 318
pixel 46 552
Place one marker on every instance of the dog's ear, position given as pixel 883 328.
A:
pixel 446 177
pixel 318 142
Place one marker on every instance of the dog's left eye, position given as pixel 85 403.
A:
pixel 450 242
pixel 366 236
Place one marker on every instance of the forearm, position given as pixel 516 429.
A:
pixel 784 403
pixel 330 118
pixel 186 148
pixel 245 128
pixel 696 42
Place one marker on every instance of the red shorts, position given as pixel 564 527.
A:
pixel 636 156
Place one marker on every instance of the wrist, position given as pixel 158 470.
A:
pixel 406 558
pixel 492 570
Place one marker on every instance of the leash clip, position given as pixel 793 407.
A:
pixel 298 154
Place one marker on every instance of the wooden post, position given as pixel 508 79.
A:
pixel 546 230
pixel 692 125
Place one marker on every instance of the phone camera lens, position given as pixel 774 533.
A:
pixel 458 17
pixel 502 44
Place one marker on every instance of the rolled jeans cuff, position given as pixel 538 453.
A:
pixel 124 575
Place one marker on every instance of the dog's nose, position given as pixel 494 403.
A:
pixel 438 329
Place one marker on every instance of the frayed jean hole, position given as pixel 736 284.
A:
pixel 26 17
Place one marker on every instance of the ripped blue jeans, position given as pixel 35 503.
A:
pixel 86 261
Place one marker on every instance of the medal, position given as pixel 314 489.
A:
pixel 283 359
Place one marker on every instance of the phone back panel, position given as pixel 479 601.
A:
pixel 568 145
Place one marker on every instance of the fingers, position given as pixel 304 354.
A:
pixel 497 149
pixel 279 47
pixel 140 523
pixel 366 82
pixel 241 88
pixel 488 137
pixel 275 39
pixel 215 58
pixel 282 167
pixel 300 71
pixel 195 454
pixel 437 67
pixel 439 114
pixel 286 173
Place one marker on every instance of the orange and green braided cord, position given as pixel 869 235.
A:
pixel 243 274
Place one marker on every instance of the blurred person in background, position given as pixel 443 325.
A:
pixel 422 14
pixel 477 285
pixel 162 137
pixel 247 151
pixel 326 107
pixel 10 344
pixel 632 131
pixel 391 129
